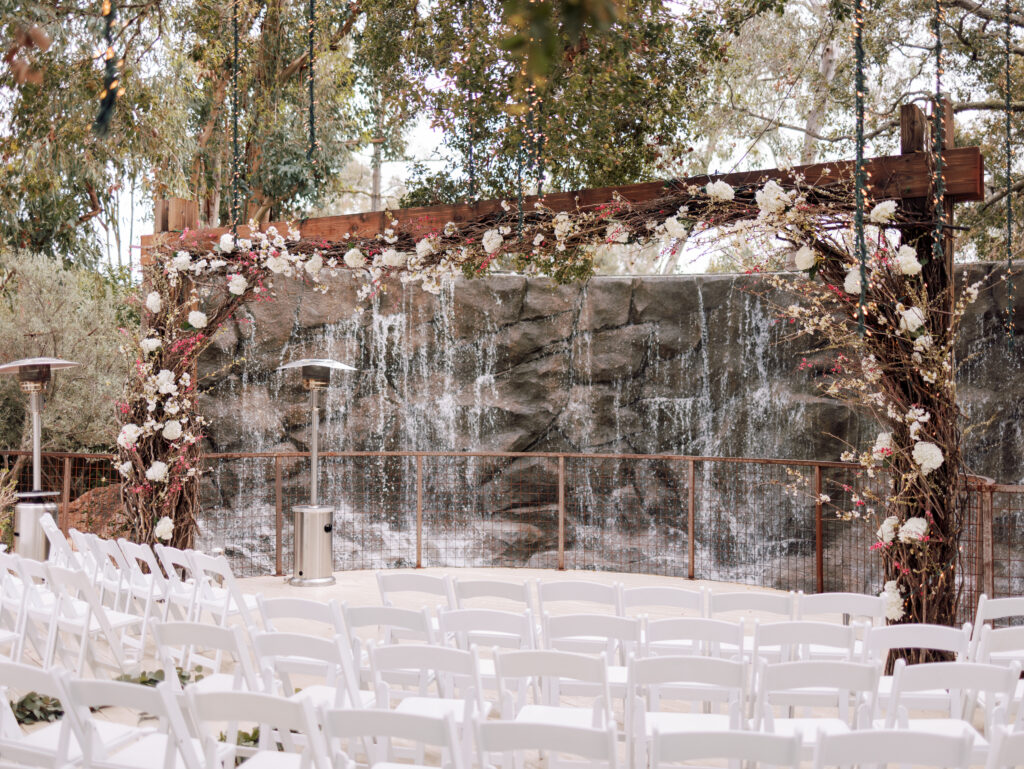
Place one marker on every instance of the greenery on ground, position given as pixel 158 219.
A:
pixel 36 708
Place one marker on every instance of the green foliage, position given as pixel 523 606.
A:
pixel 36 708
pixel 8 498
pixel 185 677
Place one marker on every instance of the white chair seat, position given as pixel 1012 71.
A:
pixel 436 707
pixel 322 694
pixel 111 734
pixel 217 682
pixel 810 728
pixel 667 723
pixel 144 753
pixel 922 700
pixel 952 726
pixel 552 714
pixel 394 765
pixel 279 760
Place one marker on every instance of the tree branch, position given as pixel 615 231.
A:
pixel 299 62
pixel 984 13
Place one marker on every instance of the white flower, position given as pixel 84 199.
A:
pixel 171 407
pixel 675 228
pixel 883 446
pixel 150 344
pixel 887 531
pixel 354 258
pixel 237 284
pixel 928 456
pixel 824 499
pixel 804 259
pixel 424 248
pixel 913 530
pixel 276 264
pixel 616 232
pixel 180 262
pixel 164 529
pixel 720 192
pixel 852 283
pixel 129 435
pixel 124 468
pixel 538 239
pixel 906 261
pixel 153 302
pixel 197 319
pixel 227 243
pixel 165 382
pixel 393 258
pixel 923 343
pixel 893 601
pixel 492 241
pixel 883 212
pixel 172 430
pixel 911 319
pixel 971 292
pixel 771 198
pixel 157 472
pixel 314 264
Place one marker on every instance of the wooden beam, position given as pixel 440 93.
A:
pixel 897 176
pixel 913 130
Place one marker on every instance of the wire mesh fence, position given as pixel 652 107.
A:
pixel 793 525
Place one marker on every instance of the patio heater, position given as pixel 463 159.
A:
pixel 29 539
pixel 314 523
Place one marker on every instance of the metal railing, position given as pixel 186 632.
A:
pixel 754 521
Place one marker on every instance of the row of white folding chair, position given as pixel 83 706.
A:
pixel 58 612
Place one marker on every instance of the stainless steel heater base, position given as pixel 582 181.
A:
pixel 314 535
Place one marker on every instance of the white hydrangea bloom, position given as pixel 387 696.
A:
pixel 164 382
pixel 276 264
pixel 906 261
pixel 314 264
pixel 883 446
pixel 911 319
pixel 393 258
pixel 157 472
pixel 164 529
pixel 150 344
pixel 538 239
pixel 227 243
pixel 913 530
pixel 354 258
pixel 172 430
pixel 928 456
pixel 804 258
pixel 124 468
pixel 851 284
pixel 720 192
pixel 562 225
pixel 197 319
pixel 492 241
pixel 883 212
pixel 424 248
pixel 772 199
pixel 180 262
pixel 129 435
pixel 893 601
pixel 153 302
pixel 887 531
pixel 674 228
pixel 237 284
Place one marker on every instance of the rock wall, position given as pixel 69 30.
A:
pixel 679 365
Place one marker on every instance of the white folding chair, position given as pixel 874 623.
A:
pixel 670 601
pixel 148 588
pixel 837 696
pixel 325 665
pixel 289 737
pixel 615 638
pixel 531 684
pixel 385 625
pixel 295 614
pixel 879 641
pixel 879 748
pixel 52 745
pixel 992 609
pixel 202 649
pixel 693 635
pixel 110 576
pixel 218 594
pixel 493 594
pixel 1003 646
pixel 961 682
pixel 61 553
pixel 703 685
pixel 160 739
pixel 749 608
pixel 83 625
pixel 1006 750
pixel 845 607
pixel 83 552
pixel 419 590
pixel 182 584
pixel 13 610
pixel 802 640
pixel 510 740
pixel 750 748
pixel 38 607
pixel 488 629
pixel 377 731
pixel 555 596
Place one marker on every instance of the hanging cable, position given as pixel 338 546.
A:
pixel 111 83
pixel 939 135
pixel 1009 163
pixel 860 181
pixel 235 170
pixel 311 151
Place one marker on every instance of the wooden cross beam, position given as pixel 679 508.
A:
pixel 904 177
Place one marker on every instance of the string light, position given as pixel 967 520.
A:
pixel 939 133
pixel 235 169
pixel 314 145
pixel 111 77
pixel 860 179
pixel 1009 161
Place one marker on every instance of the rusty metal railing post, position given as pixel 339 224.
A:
pixel 561 512
pixel 278 518
pixel 819 548
pixel 419 511
pixel 691 497
pixel 988 545
pixel 65 497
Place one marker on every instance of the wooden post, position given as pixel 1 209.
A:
pixel 65 497
pixel 278 518
pixel 182 214
pixel 419 511
pixel 988 576
pixel 819 548
pixel 691 499
pixel 561 512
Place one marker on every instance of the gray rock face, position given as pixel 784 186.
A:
pixel 688 365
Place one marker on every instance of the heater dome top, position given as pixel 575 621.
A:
pixel 16 366
pixel 323 362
